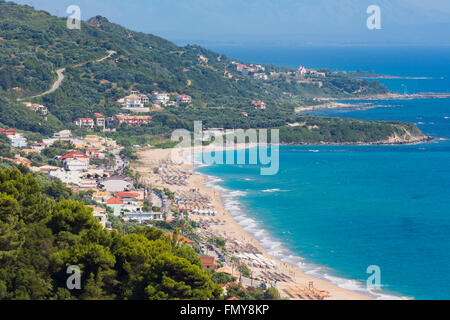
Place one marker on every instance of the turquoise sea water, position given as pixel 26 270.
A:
pixel 344 208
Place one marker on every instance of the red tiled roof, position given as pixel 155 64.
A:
pixel 121 117
pixel 208 261
pixel 114 201
pixel 73 155
pixel 182 238
pixel 8 131
pixel 127 195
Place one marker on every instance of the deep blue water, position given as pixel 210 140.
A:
pixel 344 208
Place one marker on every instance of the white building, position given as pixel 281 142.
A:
pixel 85 123
pixel 301 71
pixel 260 76
pixel 143 217
pixel 39 146
pixel 184 98
pixel 116 184
pixel 133 101
pixel 100 215
pixel 76 164
pixel 64 134
pixel 160 97
pixel 18 141
pixel 67 177
pixel 38 108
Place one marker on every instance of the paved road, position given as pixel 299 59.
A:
pixel 60 73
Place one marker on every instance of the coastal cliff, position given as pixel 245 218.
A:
pixel 332 131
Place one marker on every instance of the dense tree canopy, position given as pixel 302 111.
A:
pixel 41 236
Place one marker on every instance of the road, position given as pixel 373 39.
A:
pixel 60 73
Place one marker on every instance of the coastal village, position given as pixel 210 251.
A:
pixel 156 191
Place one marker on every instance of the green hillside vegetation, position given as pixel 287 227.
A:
pixel 334 130
pixel 43 231
pixel 34 44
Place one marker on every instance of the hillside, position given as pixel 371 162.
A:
pixel 35 45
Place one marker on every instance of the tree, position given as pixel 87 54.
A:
pixel 271 294
pixel 40 237
pixel 222 278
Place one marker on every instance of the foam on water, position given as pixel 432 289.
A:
pixel 273 190
pixel 275 248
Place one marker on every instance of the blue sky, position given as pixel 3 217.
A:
pixel 272 22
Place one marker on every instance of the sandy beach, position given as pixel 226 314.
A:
pixel 291 280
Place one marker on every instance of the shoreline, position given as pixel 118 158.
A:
pixel 395 96
pixel 232 231
pixel 284 255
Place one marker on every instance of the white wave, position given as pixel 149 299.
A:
pixel 358 286
pixel 273 190
pixel 278 250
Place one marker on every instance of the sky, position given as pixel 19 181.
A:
pixel 272 22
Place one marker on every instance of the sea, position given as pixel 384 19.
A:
pixel 338 211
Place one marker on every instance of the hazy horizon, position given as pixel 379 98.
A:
pixel 265 22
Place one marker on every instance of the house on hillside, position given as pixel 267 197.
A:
pixel 133 101
pixel 184 98
pixel 116 184
pixel 39 146
pixel 8 132
pixel 143 217
pixel 75 161
pixel 260 76
pixel 76 164
pixel 208 263
pixel 301 71
pixel 115 204
pixel 100 120
pixel 133 120
pixel 17 140
pixel 258 104
pixel 38 108
pixel 240 67
pixel 129 196
pixel 248 71
pixel 63 134
pixel 87 123
pixel 100 215
pixel 160 97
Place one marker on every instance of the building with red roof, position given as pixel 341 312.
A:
pixel 8 132
pixel 85 123
pixel 114 200
pixel 134 120
pixel 73 155
pixel 100 120
pixel 208 263
pixel 181 238
pixel 184 98
pixel 125 194
pixel 258 104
